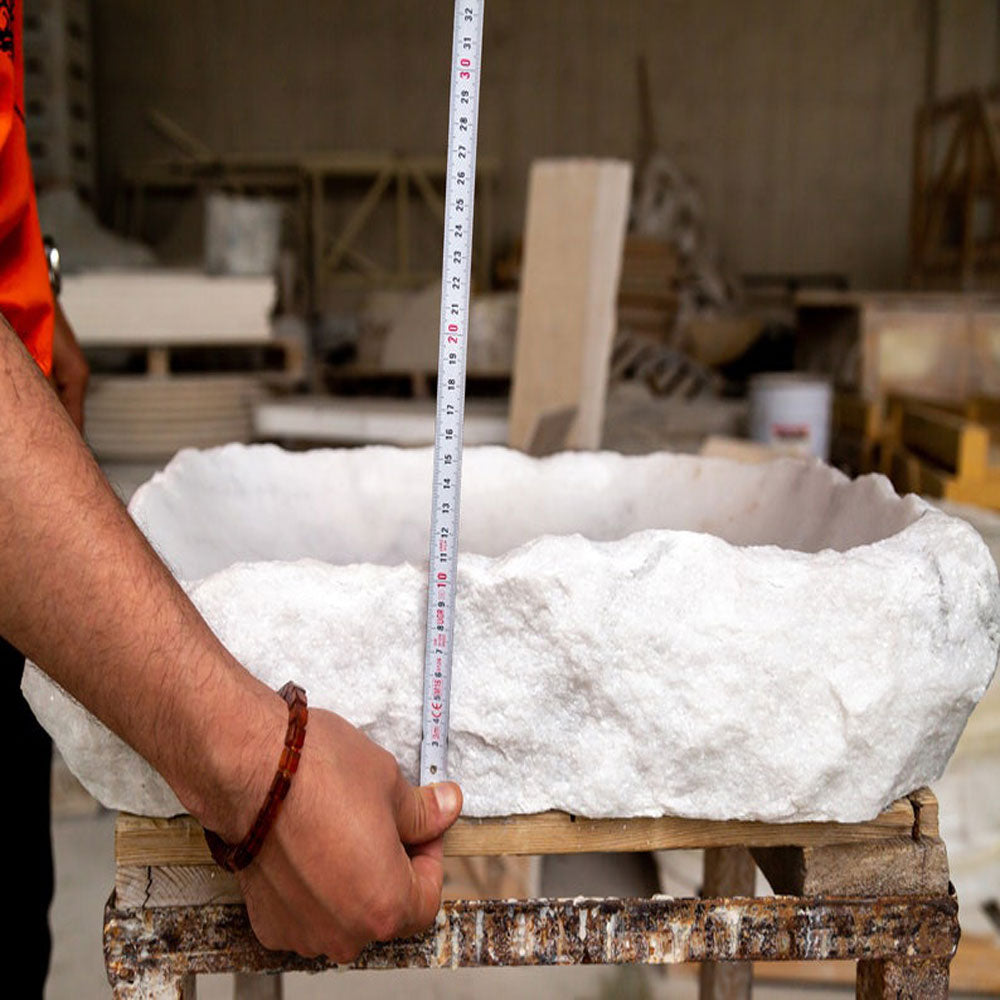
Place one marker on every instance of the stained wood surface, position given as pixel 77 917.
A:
pixel 141 840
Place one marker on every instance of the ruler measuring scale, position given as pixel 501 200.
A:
pixel 456 278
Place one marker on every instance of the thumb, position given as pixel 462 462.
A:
pixel 423 814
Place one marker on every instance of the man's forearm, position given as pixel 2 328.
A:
pixel 83 594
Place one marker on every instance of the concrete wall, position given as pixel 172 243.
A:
pixel 794 116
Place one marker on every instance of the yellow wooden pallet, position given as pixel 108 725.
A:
pixel 933 450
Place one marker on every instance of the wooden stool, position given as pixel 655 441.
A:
pixel 876 892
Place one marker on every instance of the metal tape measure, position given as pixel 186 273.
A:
pixel 456 280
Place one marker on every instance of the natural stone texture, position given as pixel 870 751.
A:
pixel 636 636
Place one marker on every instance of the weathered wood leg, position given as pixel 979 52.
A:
pixel 895 866
pixel 254 986
pixel 729 871
pixel 154 984
pixel 926 979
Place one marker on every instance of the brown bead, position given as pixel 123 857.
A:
pixel 233 857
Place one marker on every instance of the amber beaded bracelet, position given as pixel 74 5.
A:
pixel 233 857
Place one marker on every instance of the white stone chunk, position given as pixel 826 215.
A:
pixel 636 636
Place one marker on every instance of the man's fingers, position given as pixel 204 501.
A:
pixel 433 849
pixel 423 814
pixel 427 868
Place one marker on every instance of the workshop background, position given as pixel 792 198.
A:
pixel 247 200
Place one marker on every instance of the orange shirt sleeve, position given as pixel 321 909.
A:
pixel 25 295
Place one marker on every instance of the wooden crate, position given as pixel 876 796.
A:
pixel 938 346
pixel 941 452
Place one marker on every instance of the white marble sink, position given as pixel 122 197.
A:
pixel 636 636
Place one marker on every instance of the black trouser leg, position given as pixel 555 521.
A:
pixel 30 759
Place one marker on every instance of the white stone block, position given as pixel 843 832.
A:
pixel 636 636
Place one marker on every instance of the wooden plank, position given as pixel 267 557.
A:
pixel 925 808
pixel 141 840
pixel 404 422
pixel 983 410
pixel 974 969
pixel 551 431
pixel 921 150
pixel 911 474
pixel 898 978
pixel 740 450
pixel 575 229
pixel 972 162
pixel 937 195
pixel 857 431
pixel 402 223
pixel 952 442
pixel 146 886
pixel 852 453
pixel 317 236
pixel 729 871
pixel 861 416
pixel 895 866
pixel 982 493
pixel 431 198
pixel 357 220
pixel 175 885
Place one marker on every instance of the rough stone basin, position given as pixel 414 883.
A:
pixel 636 635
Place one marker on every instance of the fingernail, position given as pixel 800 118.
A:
pixel 447 797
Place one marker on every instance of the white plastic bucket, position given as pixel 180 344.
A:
pixel 791 411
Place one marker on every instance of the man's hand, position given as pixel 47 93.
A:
pixel 70 371
pixel 355 854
